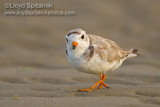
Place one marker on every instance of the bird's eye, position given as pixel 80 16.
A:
pixel 66 39
pixel 82 37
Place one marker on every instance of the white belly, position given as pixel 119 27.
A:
pixel 94 65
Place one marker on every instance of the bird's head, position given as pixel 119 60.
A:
pixel 77 39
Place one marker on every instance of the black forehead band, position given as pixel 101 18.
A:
pixel 73 33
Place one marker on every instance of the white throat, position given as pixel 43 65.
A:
pixel 78 51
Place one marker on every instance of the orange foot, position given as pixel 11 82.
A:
pixel 100 82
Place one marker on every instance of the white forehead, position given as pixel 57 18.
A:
pixel 73 36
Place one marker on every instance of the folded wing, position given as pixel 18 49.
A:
pixel 106 49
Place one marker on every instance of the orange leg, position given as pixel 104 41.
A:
pixel 99 82
pixel 102 84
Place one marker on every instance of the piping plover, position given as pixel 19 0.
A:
pixel 94 54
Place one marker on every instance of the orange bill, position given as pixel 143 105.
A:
pixel 74 43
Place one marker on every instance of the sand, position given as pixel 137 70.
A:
pixel 34 71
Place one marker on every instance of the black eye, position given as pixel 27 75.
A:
pixel 82 37
pixel 66 39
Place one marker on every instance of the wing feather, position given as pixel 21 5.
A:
pixel 106 49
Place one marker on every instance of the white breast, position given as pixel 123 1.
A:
pixel 94 65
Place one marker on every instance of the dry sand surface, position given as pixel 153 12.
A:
pixel 34 71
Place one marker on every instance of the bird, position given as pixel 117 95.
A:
pixel 95 55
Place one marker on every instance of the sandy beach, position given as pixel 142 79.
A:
pixel 34 71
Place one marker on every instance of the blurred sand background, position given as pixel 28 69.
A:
pixel 34 67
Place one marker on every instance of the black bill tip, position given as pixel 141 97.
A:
pixel 74 47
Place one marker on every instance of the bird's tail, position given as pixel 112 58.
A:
pixel 133 53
